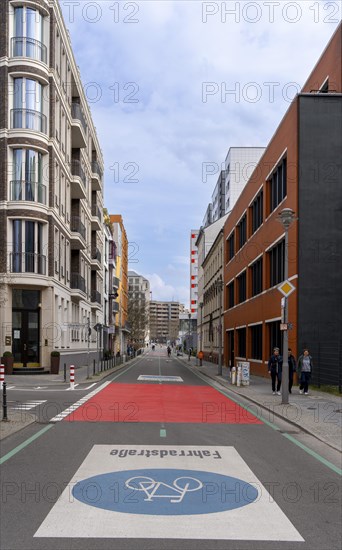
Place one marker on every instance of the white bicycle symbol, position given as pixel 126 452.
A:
pixel 180 487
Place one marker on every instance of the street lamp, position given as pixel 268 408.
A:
pixel 201 334
pixel 219 288
pixel 286 217
pixel 189 315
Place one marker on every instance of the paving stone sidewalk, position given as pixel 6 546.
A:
pixel 319 413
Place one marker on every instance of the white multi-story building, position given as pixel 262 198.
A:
pixel 193 273
pixel 239 165
pixel 139 297
pixel 51 193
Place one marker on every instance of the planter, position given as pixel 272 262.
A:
pixel 54 368
pixel 8 362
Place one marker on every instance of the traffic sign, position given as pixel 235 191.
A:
pixel 286 288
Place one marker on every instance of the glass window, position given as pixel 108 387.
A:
pixel 28 176
pixel 28 34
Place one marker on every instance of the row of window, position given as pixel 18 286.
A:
pixel 252 219
pixel 252 337
pixel 250 282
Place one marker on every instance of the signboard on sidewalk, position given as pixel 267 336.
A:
pixel 245 372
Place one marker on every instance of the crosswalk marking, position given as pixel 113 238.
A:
pixel 78 404
pixel 28 405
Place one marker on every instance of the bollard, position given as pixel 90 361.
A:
pixel 72 377
pixel 4 402
pixel 94 368
pixel 2 375
pixel 233 376
pixel 238 377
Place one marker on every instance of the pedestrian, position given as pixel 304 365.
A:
pixel 275 364
pixel 305 367
pixel 292 368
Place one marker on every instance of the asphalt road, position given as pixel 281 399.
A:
pixel 172 463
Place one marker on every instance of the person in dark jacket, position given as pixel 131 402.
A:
pixel 292 368
pixel 305 366
pixel 275 364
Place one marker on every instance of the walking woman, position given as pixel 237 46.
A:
pixel 275 364
pixel 304 370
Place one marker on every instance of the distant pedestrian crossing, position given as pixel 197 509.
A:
pixel 27 406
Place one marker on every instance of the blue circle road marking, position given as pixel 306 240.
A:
pixel 165 492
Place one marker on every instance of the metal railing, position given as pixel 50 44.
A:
pixel 77 170
pixel 115 307
pixel 77 282
pixel 24 46
pixel 95 211
pixel 95 168
pixel 28 119
pixel 27 262
pixel 77 226
pixel 96 254
pixel 96 296
pixel 76 112
pixel 22 190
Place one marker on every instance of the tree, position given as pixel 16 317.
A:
pixel 138 318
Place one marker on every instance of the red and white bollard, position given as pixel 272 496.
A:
pixel 72 377
pixel 2 375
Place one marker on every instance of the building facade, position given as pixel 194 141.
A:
pixel 218 198
pixel 120 303
pixel 51 193
pixel 239 164
pixel 139 297
pixel 301 169
pixel 164 321
pixel 193 272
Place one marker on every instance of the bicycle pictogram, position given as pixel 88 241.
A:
pixel 151 487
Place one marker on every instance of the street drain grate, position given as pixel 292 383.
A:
pixel 338 411
pixel 312 408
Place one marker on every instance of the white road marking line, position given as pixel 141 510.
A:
pixel 78 403
pixel 68 389
pixel 91 385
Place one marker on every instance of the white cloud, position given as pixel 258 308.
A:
pixel 162 140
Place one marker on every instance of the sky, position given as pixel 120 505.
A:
pixel 172 85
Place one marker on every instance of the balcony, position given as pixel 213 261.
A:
pixel 116 282
pixel 96 176
pixel 23 46
pixel 27 262
pixel 96 259
pixel 78 233
pixel 112 254
pixel 96 218
pixel 78 286
pixel 22 190
pixel 79 180
pixel 28 119
pixel 79 127
pixel 96 298
pixel 115 307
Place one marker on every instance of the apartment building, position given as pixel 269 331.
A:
pixel 193 272
pixel 139 297
pixel 120 285
pixel 164 321
pixel 51 192
pixel 218 198
pixel 240 163
pixel 301 169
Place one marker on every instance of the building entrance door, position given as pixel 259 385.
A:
pixel 26 328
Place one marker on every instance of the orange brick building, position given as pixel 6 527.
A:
pixel 300 169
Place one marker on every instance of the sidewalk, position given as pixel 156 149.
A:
pixel 319 413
